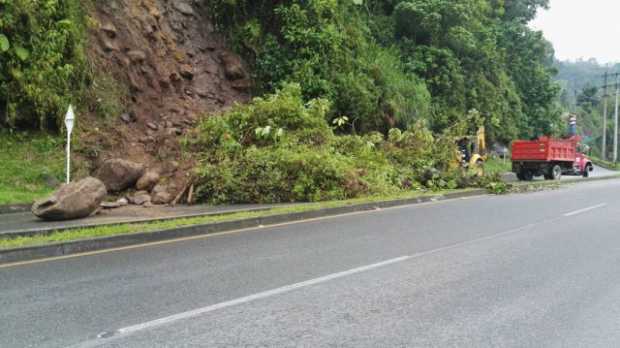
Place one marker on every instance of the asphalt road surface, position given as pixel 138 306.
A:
pixel 528 270
pixel 599 172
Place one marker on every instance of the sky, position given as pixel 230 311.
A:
pixel 582 29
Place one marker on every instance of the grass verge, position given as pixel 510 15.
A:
pixel 606 164
pixel 497 166
pixel 30 165
pixel 123 229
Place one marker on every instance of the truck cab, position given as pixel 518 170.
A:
pixel 583 164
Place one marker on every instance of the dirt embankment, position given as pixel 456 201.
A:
pixel 175 67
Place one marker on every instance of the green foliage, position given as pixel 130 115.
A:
pixel 389 63
pixel 42 63
pixel 326 47
pixel 280 149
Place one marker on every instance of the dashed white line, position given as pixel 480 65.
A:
pixel 585 210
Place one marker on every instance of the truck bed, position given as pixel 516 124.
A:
pixel 545 149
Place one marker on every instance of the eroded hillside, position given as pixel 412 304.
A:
pixel 175 69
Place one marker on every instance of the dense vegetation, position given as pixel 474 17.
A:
pixel 42 61
pixel 386 63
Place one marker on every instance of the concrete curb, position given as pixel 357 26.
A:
pixel 14 208
pixel 70 248
pixel 50 230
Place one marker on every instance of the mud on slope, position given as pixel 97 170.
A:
pixel 176 69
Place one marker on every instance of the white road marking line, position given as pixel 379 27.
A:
pixel 126 331
pixel 258 296
pixel 585 210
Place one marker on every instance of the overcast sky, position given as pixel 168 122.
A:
pixel 582 29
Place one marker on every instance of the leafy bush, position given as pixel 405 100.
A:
pixel 280 149
pixel 42 62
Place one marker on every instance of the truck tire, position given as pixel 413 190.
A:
pixel 556 172
pixel 586 171
pixel 527 175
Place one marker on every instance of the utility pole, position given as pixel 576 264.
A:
pixel 604 147
pixel 616 124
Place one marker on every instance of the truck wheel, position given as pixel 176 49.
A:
pixel 586 171
pixel 528 175
pixel 556 172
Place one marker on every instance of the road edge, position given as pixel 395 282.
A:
pixel 91 245
pixel 14 208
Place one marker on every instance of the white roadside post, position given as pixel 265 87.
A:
pixel 69 122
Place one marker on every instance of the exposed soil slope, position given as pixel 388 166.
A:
pixel 176 69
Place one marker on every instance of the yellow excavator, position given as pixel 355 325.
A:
pixel 472 149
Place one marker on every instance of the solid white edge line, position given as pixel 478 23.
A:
pixel 585 210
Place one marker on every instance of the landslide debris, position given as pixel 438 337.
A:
pixel 172 68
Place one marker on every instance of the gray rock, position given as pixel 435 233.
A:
pixel 233 68
pixel 174 131
pixel 140 198
pixel 123 202
pixel 136 56
pixel 161 195
pixel 509 177
pixel 184 8
pixel 128 117
pixel 148 181
pixel 73 201
pixel 109 29
pixel 187 71
pixel 108 44
pixel 110 205
pixel 152 126
pixel 118 174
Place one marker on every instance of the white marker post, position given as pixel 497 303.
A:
pixel 69 122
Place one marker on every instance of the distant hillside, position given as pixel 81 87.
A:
pixel 581 82
pixel 575 76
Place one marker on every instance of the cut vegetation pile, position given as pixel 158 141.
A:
pixel 280 149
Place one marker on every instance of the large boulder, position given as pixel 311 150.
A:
pixel 140 198
pixel 233 67
pixel 119 175
pixel 161 195
pixel 147 181
pixel 73 201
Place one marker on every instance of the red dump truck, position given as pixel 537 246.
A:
pixel 549 157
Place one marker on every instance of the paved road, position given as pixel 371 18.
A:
pixel 530 270
pixel 599 172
